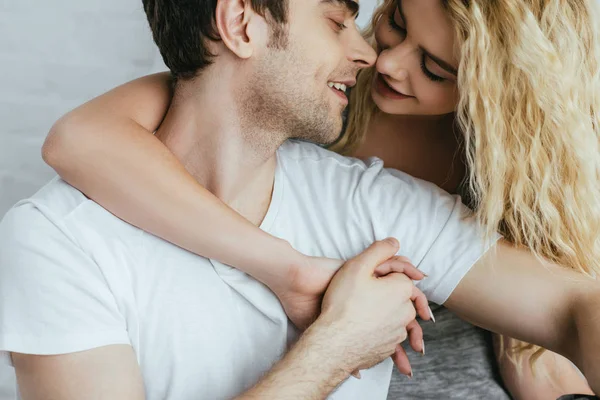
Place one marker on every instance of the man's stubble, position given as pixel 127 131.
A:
pixel 283 97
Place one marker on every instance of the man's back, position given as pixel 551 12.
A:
pixel 74 277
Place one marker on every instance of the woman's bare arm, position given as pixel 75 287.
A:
pixel 106 149
pixel 555 376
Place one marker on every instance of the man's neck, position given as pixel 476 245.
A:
pixel 205 130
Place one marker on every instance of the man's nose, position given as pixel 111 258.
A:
pixel 361 53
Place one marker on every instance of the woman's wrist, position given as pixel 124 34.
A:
pixel 285 265
pixel 274 262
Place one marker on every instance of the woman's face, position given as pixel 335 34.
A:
pixel 417 65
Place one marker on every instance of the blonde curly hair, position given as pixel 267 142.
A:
pixel 529 111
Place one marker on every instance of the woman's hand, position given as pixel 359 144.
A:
pixel 301 294
pixel 302 290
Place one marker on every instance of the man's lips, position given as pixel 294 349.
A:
pixel 341 94
pixel 340 88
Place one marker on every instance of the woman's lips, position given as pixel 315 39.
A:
pixel 385 90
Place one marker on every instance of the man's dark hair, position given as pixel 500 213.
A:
pixel 182 29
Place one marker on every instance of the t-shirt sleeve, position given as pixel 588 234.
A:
pixel 435 230
pixel 54 299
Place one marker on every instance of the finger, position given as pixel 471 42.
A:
pixel 400 359
pixel 421 304
pixel 415 337
pixel 375 255
pixel 400 265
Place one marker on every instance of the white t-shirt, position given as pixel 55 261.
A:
pixel 73 277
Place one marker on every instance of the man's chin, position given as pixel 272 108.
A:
pixel 322 138
pixel 332 134
pixel 319 127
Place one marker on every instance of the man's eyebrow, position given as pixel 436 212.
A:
pixel 443 64
pixel 350 5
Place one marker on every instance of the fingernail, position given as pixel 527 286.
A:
pixel 410 376
pixel 431 314
pixel 356 374
pixel 423 351
pixel 392 241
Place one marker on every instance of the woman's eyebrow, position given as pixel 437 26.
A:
pixel 443 64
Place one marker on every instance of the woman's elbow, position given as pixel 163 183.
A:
pixel 57 144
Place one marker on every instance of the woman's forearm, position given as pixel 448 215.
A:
pixel 123 167
pixel 555 376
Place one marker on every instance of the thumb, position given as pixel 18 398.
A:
pixel 375 255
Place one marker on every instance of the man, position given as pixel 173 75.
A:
pixel 209 331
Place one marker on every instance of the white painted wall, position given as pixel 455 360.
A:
pixel 55 55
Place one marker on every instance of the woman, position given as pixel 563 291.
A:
pixel 503 93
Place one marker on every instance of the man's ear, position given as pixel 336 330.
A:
pixel 240 28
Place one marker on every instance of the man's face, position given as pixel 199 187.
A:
pixel 296 87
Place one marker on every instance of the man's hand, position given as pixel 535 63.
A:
pixel 370 313
pixel 302 291
pixel 364 318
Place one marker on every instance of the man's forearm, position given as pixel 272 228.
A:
pixel 311 371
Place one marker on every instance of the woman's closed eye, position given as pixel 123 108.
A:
pixel 430 75
pixel 396 23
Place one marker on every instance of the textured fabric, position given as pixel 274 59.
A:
pixel 458 364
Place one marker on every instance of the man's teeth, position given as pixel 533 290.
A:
pixel 338 86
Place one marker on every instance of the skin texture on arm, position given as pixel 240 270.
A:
pixel 511 292
pixel 105 148
pixel 555 376
pixel 364 320
pixel 308 371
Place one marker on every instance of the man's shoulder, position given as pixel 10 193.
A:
pixel 53 203
pixel 304 160
pixel 56 197
pixel 310 153
pixel 308 159
pixel 60 208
